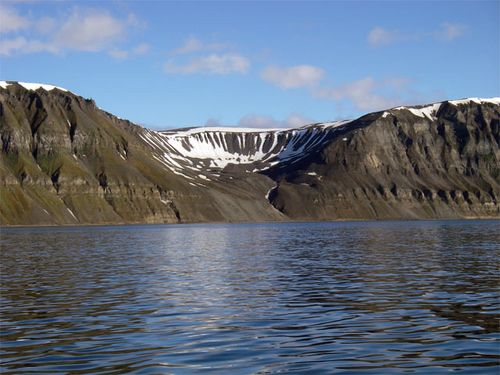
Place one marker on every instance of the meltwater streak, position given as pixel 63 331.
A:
pixel 251 298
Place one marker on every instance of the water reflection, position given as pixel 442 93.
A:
pixel 254 298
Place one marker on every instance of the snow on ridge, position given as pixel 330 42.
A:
pixel 332 124
pixel 495 100
pixel 31 86
pixel 223 129
pixel 425 110
pixel 429 111
pixel 228 129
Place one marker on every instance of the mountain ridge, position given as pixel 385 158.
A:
pixel 65 161
pixel 31 86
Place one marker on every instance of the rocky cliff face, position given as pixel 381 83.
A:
pixel 65 161
pixel 441 161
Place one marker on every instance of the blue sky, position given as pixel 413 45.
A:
pixel 169 64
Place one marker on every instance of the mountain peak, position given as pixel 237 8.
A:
pixel 32 86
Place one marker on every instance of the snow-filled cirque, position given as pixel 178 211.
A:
pixel 207 151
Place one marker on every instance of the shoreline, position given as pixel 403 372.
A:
pixel 478 218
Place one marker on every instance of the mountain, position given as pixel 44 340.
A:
pixel 65 161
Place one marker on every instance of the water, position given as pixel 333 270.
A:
pixel 255 298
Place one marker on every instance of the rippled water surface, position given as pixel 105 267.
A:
pixel 378 297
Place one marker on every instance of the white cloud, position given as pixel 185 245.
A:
pixel 45 25
pixel 119 54
pixel 11 45
pixel 368 94
pixel 20 43
pixel 293 77
pixel 86 30
pixel 294 120
pixel 259 121
pixel 11 20
pixel 450 31
pixel 91 31
pixel 379 36
pixel 365 94
pixel 217 64
pixel 141 49
pixel 193 44
pixel 213 63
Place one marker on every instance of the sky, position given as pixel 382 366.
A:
pixel 168 64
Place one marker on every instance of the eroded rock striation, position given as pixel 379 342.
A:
pixel 65 161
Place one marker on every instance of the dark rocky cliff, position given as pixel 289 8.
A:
pixel 398 165
pixel 65 161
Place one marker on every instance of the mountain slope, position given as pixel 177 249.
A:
pixel 65 161
pixel 403 164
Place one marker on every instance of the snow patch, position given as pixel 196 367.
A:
pixel 269 192
pixel 430 111
pixel 424 112
pixel 71 212
pixel 334 124
pixel 32 86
